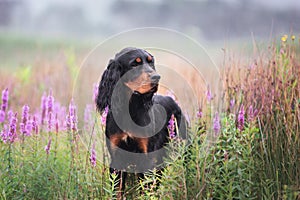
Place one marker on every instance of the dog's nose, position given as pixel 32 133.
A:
pixel 155 78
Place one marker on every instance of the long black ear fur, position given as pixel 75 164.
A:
pixel 106 86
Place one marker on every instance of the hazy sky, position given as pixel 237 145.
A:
pixel 97 16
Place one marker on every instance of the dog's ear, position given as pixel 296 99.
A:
pixel 106 86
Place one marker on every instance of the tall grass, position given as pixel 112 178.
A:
pixel 251 153
pixel 271 86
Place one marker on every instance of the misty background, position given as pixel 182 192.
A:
pixel 210 20
pixel 45 42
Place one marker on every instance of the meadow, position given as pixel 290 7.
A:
pixel 52 141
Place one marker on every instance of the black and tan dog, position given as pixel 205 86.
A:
pixel 137 119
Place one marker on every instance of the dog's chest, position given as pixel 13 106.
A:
pixel 129 142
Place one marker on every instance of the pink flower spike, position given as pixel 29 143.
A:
pixel 4 100
pixel 50 102
pixel 252 113
pixel 241 118
pixel 2 116
pixel 199 113
pixel 71 119
pixel 104 116
pixel 217 124
pixel 95 92
pixel 35 127
pixel 48 146
pixel 93 158
pixel 24 125
pixel 4 134
pixel 12 133
pixel 171 127
pixel 88 119
pixel 209 96
pixel 50 121
pixel 10 114
pixel 28 127
pixel 43 107
pixel 25 113
pixel 56 124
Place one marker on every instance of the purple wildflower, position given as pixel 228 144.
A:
pixel 50 110
pixel 4 133
pixel 25 117
pixel 241 118
pixel 48 146
pixel 44 108
pixel 104 115
pixel 28 126
pixel 50 102
pixel 4 100
pixel 95 92
pixel 199 113
pixel 68 122
pixel 208 94
pixel 171 127
pixel 62 113
pixel 217 124
pixel 12 132
pixel 93 156
pixel 71 120
pixel 25 113
pixel 59 115
pixel 252 113
pixel 59 110
pixel 35 126
pixel 22 128
pixel 4 105
pixel 88 116
pixel 56 124
pixel 50 121
pixel 74 119
pixel 2 116
pixel 10 113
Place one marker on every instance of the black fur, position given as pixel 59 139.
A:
pixel 142 109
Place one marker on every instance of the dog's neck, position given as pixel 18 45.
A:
pixel 137 104
pixel 139 107
pixel 141 101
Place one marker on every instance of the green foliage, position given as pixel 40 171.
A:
pixel 261 161
pixel 33 174
pixel 231 163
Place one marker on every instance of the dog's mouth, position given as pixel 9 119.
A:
pixel 146 89
pixel 154 87
pixel 154 82
pixel 144 84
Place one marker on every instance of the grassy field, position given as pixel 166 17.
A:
pixel 51 147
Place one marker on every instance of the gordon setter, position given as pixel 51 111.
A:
pixel 137 119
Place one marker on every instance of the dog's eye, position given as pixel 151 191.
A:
pixel 138 60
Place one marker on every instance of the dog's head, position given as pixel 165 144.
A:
pixel 134 68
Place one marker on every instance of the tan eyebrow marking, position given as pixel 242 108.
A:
pixel 149 58
pixel 138 60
